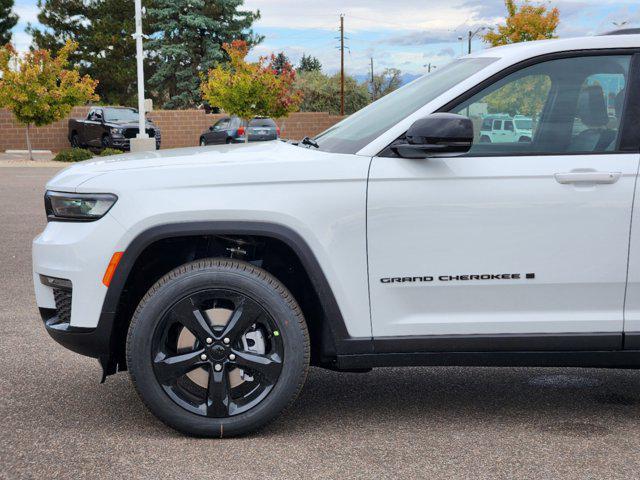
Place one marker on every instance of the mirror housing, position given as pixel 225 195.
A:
pixel 211 129
pixel 437 135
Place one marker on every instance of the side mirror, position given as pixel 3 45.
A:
pixel 437 135
pixel 211 129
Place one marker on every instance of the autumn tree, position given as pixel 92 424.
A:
pixel 8 20
pixel 280 62
pixel 250 90
pixel 524 24
pixel 39 88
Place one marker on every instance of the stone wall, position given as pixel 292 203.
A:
pixel 180 128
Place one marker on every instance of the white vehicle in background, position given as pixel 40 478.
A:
pixel 218 275
pixel 506 129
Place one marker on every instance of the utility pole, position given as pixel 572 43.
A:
pixel 342 64
pixel 373 85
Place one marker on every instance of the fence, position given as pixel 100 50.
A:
pixel 180 128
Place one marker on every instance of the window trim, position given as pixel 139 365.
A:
pixel 629 141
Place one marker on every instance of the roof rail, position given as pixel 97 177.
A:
pixel 622 31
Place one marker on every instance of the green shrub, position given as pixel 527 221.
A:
pixel 110 151
pixel 73 155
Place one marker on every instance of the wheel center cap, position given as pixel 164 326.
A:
pixel 217 352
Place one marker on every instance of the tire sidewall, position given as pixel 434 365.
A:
pixel 258 287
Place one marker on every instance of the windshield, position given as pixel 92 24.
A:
pixel 120 115
pixel 356 131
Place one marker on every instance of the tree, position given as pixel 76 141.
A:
pixel 187 41
pixel 321 93
pixel 386 82
pixel 39 88
pixel 525 96
pixel 8 20
pixel 102 29
pixel 280 62
pixel 526 23
pixel 523 24
pixel 249 90
pixel 309 64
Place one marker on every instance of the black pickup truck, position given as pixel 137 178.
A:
pixel 109 127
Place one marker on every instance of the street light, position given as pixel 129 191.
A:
pixel 473 34
pixel 142 142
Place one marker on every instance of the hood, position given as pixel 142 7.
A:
pixel 224 164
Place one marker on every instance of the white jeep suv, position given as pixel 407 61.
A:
pixel 216 276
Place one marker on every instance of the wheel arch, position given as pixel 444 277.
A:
pixel 329 333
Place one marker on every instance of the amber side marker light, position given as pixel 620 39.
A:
pixel 111 268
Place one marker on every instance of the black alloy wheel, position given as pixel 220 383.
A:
pixel 224 352
pixel 218 347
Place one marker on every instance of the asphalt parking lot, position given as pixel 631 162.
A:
pixel 59 422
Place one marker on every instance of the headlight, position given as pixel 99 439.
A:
pixel 117 131
pixel 77 206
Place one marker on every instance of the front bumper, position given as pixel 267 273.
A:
pixel 78 252
pixel 122 143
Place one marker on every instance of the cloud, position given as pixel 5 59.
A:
pixel 447 52
pixel 418 38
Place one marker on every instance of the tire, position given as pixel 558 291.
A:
pixel 485 139
pixel 189 404
pixel 524 139
pixel 203 143
pixel 105 143
pixel 75 141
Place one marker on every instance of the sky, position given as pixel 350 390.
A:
pixel 403 34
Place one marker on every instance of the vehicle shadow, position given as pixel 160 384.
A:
pixel 574 402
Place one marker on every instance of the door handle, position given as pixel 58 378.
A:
pixel 587 177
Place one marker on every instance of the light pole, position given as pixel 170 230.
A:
pixel 142 142
pixel 473 34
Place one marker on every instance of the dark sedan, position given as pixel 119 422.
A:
pixel 235 130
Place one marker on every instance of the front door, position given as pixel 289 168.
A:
pixel 520 237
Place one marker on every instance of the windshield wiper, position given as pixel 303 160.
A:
pixel 309 141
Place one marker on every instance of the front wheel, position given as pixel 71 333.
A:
pixel 218 348
pixel 203 143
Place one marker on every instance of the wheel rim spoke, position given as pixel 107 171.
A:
pixel 218 394
pixel 190 378
pixel 267 365
pixel 243 316
pixel 169 369
pixel 192 318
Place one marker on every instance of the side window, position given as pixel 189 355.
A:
pixel 569 105
pixel 222 124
